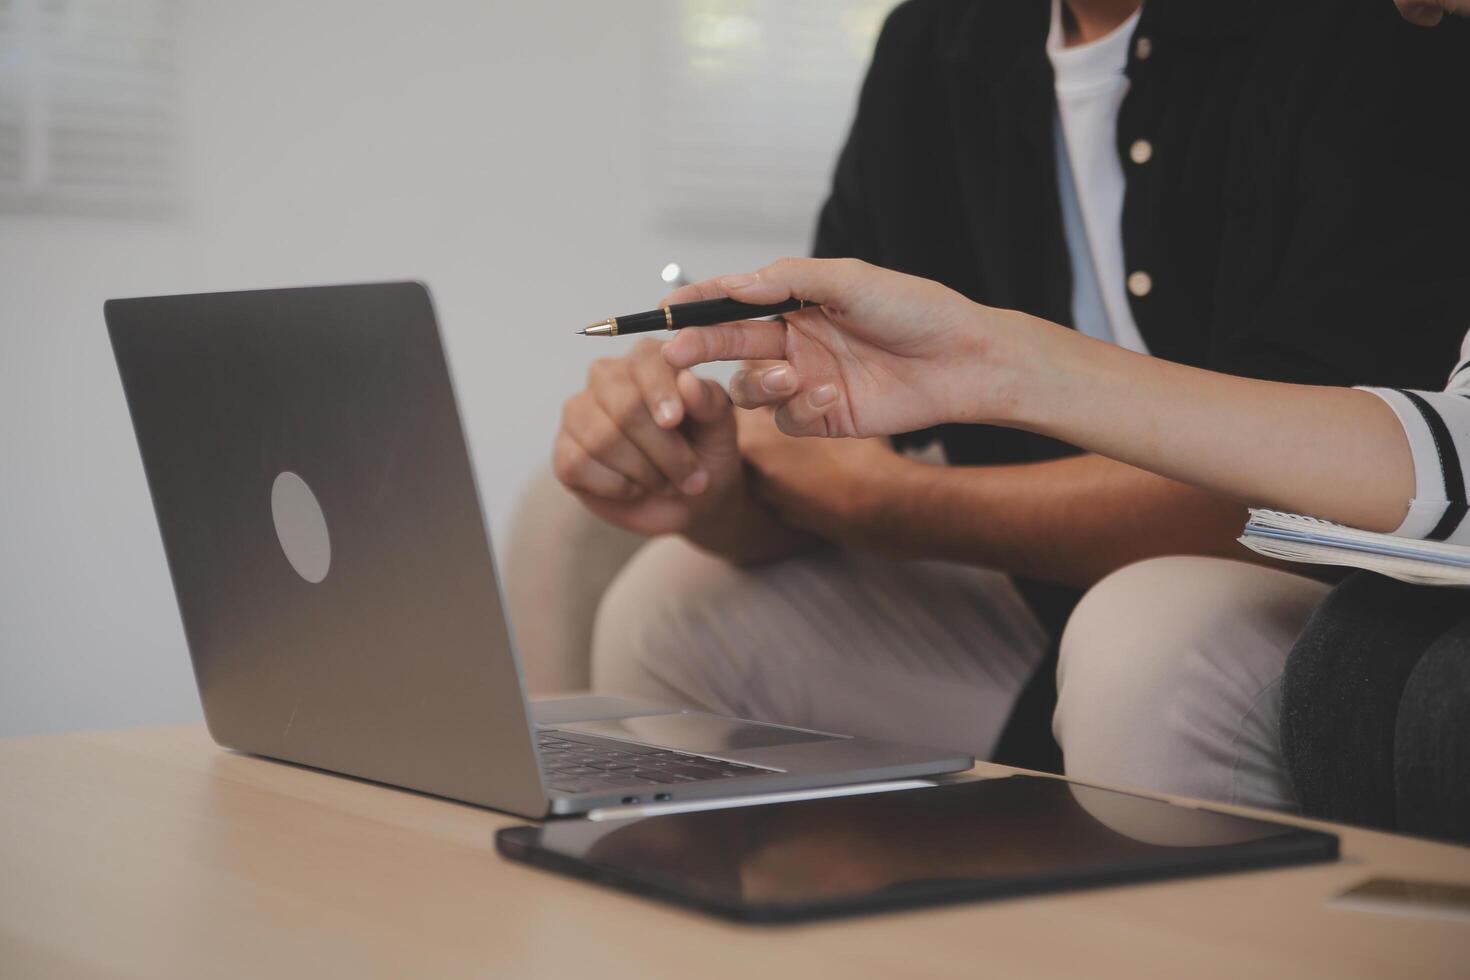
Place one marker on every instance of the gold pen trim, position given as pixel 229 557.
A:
pixel 668 318
pixel 602 328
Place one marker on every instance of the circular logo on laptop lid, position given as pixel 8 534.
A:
pixel 301 527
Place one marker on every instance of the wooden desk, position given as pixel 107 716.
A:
pixel 154 854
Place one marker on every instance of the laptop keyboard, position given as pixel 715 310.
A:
pixel 574 763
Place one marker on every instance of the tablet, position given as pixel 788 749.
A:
pixel 983 839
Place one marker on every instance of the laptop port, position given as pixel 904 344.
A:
pixel 630 799
pixel 663 796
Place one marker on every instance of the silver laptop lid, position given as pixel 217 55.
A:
pixel 328 551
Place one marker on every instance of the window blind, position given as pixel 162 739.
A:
pixel 89 105
pixel 754 100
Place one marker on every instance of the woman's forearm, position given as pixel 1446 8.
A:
pixel 888 352
pixel 1334 453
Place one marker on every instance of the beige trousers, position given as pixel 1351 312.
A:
pixel 921 652
pixel 1169 679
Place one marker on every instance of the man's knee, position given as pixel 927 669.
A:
pixel 1169 676
pixel 1118 663
pixel 646 639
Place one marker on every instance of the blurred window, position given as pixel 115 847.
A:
pixel 754 100
pixel 89 106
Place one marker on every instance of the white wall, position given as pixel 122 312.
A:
pixel 489 148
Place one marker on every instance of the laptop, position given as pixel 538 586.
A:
pixel 337 586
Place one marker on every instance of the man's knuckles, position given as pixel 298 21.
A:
pixel 628 413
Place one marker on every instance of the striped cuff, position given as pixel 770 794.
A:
pixel 1428 507
pixel 1437 509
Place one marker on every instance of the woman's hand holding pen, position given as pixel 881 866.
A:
pixel 882 353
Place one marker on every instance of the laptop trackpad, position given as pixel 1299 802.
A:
pixel 708 734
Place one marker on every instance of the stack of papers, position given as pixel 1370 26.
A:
pixel 1292 537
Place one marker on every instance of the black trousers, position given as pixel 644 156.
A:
pixel 1026 740
pixel 1375 725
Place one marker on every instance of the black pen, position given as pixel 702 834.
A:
pixel 700 314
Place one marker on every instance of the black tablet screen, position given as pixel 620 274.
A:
pixel 978 839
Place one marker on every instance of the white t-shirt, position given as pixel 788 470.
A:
pixel 1090 86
